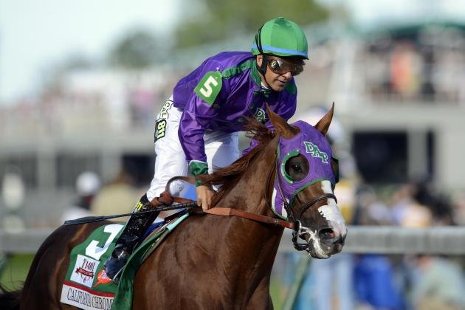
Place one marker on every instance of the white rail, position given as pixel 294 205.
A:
pixel 360 239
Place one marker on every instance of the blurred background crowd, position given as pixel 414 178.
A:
pixel 79 142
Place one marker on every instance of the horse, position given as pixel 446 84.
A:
pixel 216 261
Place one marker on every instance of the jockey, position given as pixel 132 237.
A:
pixel 197 128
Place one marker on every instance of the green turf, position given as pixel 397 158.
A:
pixel 278 293
pixel 14 269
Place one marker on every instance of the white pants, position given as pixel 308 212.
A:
pixel 221 149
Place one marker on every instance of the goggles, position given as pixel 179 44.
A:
pixel 281 66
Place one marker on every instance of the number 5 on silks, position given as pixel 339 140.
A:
pixel 209 87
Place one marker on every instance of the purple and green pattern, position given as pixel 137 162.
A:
pixel 313 145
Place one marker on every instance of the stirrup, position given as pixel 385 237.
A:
pixel 116 277
pixel 116 263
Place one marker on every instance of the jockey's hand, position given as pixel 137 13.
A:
pixel 204 196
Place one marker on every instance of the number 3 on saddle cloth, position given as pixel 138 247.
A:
pixel 86 285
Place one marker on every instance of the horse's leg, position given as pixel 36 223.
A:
pixel 175 276
pixel 155 282
pixel 42 289
pixel 261 298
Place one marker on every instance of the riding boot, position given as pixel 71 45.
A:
pixel 130 237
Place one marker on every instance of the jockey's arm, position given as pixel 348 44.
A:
pixel 204 192
pixel 194 120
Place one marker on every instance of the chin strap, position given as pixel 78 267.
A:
pixel 262 70
pixel 264 66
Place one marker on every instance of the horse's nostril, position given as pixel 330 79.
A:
pixel 327 233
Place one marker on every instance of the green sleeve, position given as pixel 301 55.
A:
pixel 197 168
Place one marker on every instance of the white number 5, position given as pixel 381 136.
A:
pixel 206 89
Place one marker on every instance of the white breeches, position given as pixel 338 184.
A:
pixel 221 149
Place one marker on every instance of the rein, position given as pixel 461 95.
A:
pixel 234 212
pixel 250 216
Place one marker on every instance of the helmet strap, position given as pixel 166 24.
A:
pixel 258 42
pixel 263 67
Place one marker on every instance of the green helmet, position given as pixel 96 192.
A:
pixel 280 37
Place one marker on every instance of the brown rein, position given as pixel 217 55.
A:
pixel 250 216
pixel 228 211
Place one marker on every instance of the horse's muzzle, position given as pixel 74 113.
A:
pixel 325 243
pixel 332 241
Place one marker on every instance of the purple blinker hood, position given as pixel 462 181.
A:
pixel 310 143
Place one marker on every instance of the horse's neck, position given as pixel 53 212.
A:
pixel 252 194
pixel 253 190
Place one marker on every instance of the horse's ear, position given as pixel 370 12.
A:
pixel 280 125
pixel 325 121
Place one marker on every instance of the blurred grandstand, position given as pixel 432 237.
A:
pixel 398 92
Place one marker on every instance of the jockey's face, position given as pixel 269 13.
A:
pixel 279 71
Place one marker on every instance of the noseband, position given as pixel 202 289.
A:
pixel 299 230
pixel 307 205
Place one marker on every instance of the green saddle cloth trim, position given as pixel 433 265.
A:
pixel 85 279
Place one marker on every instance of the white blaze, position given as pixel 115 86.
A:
pixel 331 211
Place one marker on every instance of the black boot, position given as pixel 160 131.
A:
pixel 130 237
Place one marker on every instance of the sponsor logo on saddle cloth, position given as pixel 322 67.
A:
pixel 86 284
pixel 84 272
pixel 310 143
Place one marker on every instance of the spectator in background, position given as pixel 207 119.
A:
pixel 374 274
pixel 370 210
pixel 440 284
pixel 405 69
pixel 87 186
pixel 439 204
pixel 407 211
pixel 116 197
pixel 458 208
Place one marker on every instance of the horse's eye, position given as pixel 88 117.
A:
pixel 297 168
pixel 335 166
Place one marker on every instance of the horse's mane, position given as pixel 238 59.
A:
pixel 228 176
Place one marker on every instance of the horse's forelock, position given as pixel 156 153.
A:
pixel 258 131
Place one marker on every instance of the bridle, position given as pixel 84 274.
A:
pixel 167 202
pixel 292 221
pixel 300 230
